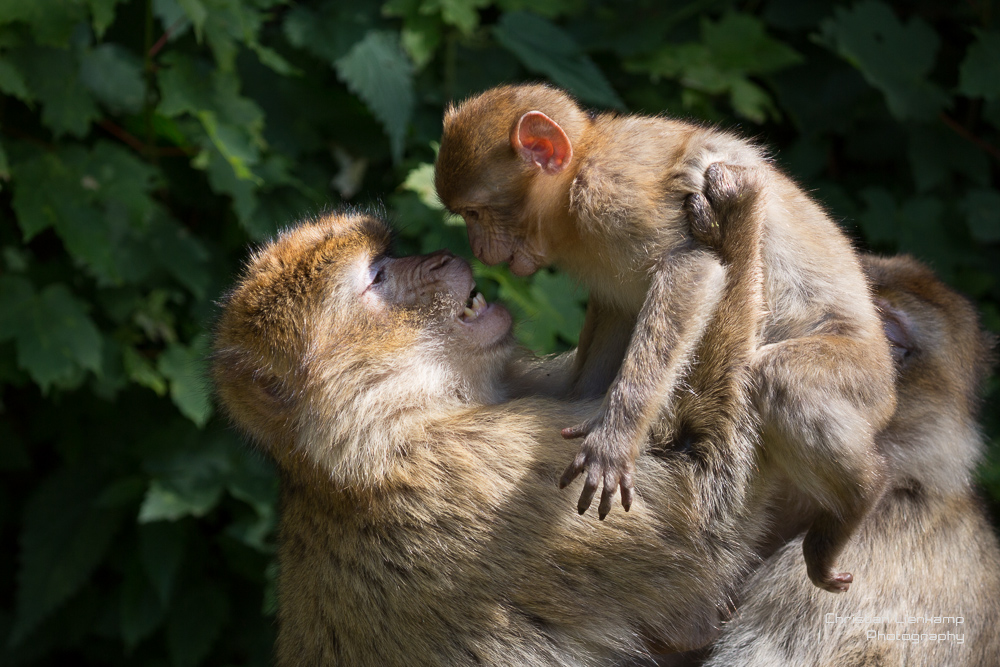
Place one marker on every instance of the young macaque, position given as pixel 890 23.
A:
pixel 420 519
pixel 539 181
pixel 927 554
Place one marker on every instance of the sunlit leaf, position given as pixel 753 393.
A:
pixel 377 70
pixel 543 47
pixel 186 368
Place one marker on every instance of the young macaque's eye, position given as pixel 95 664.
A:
pixel 470 215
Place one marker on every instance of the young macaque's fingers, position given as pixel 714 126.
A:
pixel 704 225
pixel 607 493
pixel 627 491
pixel 574 469
pixel 589 489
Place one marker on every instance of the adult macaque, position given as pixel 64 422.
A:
pixel 927 555
pixel 539 181
pixel 421 523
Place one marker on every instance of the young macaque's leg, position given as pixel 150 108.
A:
pixel 812 409
pixel 685 289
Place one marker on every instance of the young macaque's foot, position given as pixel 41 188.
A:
pixel 606 462
pixel 835 582
pixel 724 186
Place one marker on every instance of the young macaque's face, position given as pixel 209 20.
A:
pixel 502 167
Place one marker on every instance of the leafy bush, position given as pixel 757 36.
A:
pixel 144 144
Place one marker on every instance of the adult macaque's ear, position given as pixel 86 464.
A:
pixel 539 140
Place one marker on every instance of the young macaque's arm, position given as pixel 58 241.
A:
pixel 685 289
pixel 587 371
pixel 602 346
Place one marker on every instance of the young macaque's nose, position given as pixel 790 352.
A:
pixel 475 238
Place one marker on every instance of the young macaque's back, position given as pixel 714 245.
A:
pixel 539 181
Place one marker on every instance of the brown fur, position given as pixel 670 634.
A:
pixel 927 549
pixel 611 211
pixel 420 521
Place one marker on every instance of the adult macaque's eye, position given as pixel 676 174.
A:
pixel 376 274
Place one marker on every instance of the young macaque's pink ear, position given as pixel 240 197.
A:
pixel 539 140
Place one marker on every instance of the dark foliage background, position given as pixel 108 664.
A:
pixel 145 143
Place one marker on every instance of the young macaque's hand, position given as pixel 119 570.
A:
pixel 607 458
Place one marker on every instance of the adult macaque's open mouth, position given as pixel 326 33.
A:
pixel 488 322
pixel 474 306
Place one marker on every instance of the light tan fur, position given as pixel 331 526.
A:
pixel 927 558
pixel 420 519
pixel 604 198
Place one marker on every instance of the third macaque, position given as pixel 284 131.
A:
pixel 927 554
pixel 539 181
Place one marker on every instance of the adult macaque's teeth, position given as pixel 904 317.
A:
pixel 478 302
pixel 470 314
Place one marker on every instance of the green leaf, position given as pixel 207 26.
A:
pixel 731 50
pixel 168 503
pixel 233 144
pixel 17 301
pixel 739 43
pixel 979 75
pixel 421 180
pixel 64 537
pixel 544 48
pixel 879 219
pixel 982 210
pixel 140 371
pixel 893 57
pixel 103 203
pixel 161 545
pixel 4 166
pixel 12 81
pixel 195 11
pixel 51 21
pixel 55 337
pixel 330 32
pixel 114 76
pixel 377 70
pixel 937 152
pixel 420 37
pixel 54 76
pixel 195 623
pixel 103 13
pixel 559 304
pixel 463 14
pixel 549 9
pixel 63 333
pixel 186 368
pixel 141 611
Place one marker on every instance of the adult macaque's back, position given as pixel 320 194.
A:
pixel 420 522
pixel 540 181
